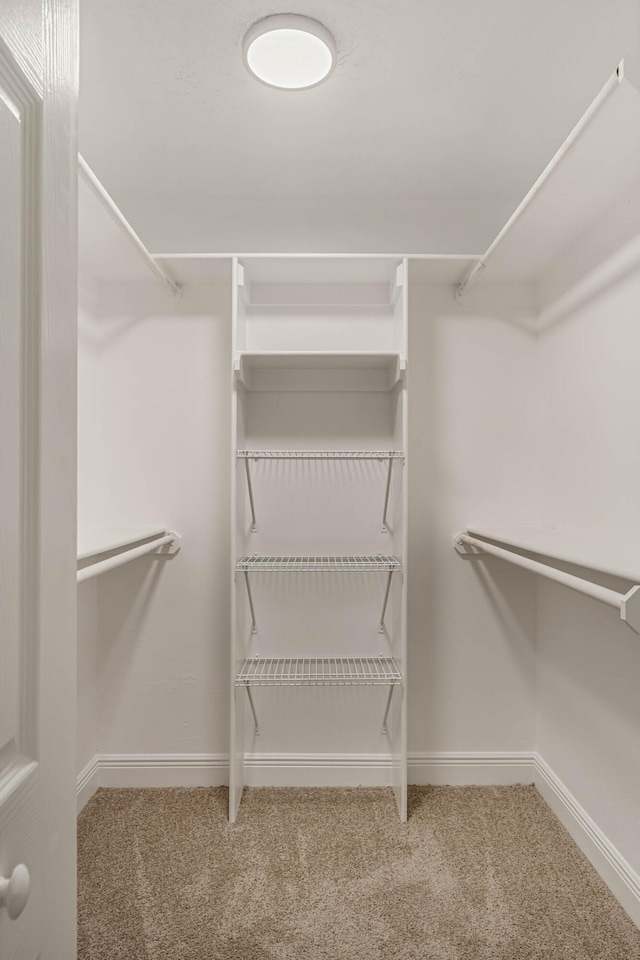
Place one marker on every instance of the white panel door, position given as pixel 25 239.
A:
pixel 37 487
pixel 19 774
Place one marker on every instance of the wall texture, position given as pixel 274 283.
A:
pixel 159 437
pixel 155 439
pixel 88 485
pixel 589 661
pixel 506 427
pixel 472 457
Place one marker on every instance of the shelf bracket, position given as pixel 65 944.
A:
pixel 254 628
pixel 256 726
pixel 250 489
pixel 386 600
pixel 385 728
pixel 385 525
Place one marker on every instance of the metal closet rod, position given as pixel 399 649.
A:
pixel 612 84
pixel 114 212
pixel 627 604
pixel 93 569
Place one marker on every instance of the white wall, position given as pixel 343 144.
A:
pixel 160 447
pixel 88 736
pixel 471 458
pixel 88 479
pixel 160 441
pixel 589 662
pixel 505 427
pixel 89 368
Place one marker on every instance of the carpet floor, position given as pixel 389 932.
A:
pixel 478 873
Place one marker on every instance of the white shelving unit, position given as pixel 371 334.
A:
pixel 319 430
pixel 343 371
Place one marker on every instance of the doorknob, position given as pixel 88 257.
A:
pixel 14 892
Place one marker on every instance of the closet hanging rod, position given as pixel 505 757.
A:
pixel 612 84
pixel 116 215
pixel 170 539
pixel 628 604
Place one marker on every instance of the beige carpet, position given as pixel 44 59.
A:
pixel 478 873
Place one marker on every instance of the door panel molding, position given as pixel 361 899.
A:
pixel 24 100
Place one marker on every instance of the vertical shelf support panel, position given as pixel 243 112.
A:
pixel 254 628
pixel 381 628
pixel 238 652
pixel 251 503
pixel 385 525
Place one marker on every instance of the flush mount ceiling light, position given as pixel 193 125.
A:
pixel 289 52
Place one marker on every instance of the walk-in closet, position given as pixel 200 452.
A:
pixel 345 663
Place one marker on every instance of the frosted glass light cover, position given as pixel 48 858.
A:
pixel 289 52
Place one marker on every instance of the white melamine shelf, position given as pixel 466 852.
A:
pixel 615 557
pixel 318 268
pixel 321 454
pixel 317 564
pixel 324 672
pixel 97 540
pixel 313 370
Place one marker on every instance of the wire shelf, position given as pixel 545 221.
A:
pixel 321 454
pixel 316 564
pixel 329 671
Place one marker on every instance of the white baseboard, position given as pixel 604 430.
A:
pixel 88 782
pixel 300 770
pixel 617 873
pixel 164 769
pixel 315 770
pixel 374 770
pixel 480 768
pixel 261 770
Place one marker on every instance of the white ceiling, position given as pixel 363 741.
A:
pixel 438 118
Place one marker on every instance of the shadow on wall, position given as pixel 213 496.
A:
pixel 589 710
pixel 472 424
pixel 134 304
pixel 596 659
pixel 125 597
pixel 595 267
